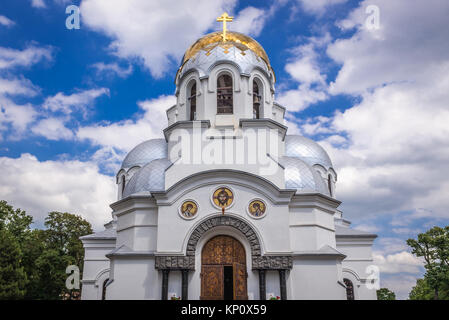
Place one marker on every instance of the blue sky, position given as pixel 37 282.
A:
pixel 73 102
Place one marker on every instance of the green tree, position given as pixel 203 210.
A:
pixel 63 232
pixel 33 262
pixel 385 294
pixel 12 275
pixel 17 222
pixel 433 247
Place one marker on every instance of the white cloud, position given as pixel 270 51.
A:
pixel 251 20
pixel 125 135
pixel 318 6
pixel 4 21
pixel 38 4
pixel 17 116
pixel 53 129
pixel 155 32
pixel 112 69
pixel 10 58
pixel 17 86
pixel 305 69
pixel 401 262
pixel 76 101
pixel 396 148
pixel 43 186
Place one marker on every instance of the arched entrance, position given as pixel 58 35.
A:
pixel 223 270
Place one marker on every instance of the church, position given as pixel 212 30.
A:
pixel 227 205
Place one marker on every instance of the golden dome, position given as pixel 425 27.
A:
pixel 236 39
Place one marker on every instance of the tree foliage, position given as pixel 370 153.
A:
pixel 433 247
pixel 33 262
pixel 385 294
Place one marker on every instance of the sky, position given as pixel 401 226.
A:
pixel 366 79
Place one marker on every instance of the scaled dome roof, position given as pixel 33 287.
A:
pixel 145 152
pixel 149 178
pixel 301 176
pixel 307 150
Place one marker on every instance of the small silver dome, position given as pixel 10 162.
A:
pixel 145 152
pixel 307 150
pixel 149 178
pixel 301 176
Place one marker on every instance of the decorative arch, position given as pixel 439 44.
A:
pixel 259 261
pixel 229 221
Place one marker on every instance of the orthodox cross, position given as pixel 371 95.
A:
pixel 224 18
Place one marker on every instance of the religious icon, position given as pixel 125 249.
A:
pixel 223 197
pixel 189 209
pixel 257 208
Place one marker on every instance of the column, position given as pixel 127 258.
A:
pixel 164 295
pixel 185 284
pixel 262 285
pixel 283 284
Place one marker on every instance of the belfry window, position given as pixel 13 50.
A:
pixel 192 99
pixel 329 184
pixel 224 94
pixel 349 289
pixel 256 101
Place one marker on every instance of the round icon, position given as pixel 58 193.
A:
pixel 223 197
pixel 257 208
pixel 189 209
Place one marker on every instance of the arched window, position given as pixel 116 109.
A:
pixel 123 183
pixel 224 94
pixel 103 292
pixel 329 184
pixel 349 289
pixel 256 101
pixel 192 99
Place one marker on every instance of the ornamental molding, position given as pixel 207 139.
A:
pixel 259 261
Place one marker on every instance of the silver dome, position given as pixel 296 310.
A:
pixel 204 61
pixel 145 152
pixel 307 150
pixel 149 178
pixel 301 176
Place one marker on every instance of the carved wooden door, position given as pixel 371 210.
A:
pixel 240 290
pixel 217 253
pixel 211 282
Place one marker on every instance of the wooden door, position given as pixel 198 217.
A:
pixel 217 253
pixel 240 290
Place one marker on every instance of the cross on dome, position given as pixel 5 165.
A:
pixel 224 18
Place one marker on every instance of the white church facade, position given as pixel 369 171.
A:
pixel 227 205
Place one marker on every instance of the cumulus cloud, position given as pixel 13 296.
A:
pixel 126 134
pixel 15 117
pixel 4 21
pixel 395 144
pixel 79 101
pixel 304 68
pixel 53 129
pixel 10 58
pixel 155 32
pixel 43 186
